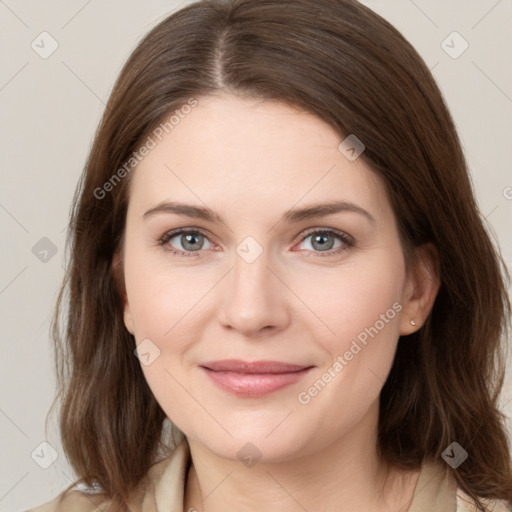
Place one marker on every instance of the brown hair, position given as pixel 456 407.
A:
pixel 345 64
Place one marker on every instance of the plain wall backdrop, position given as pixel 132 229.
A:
pixel 59 61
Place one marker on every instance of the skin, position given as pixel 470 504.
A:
pixel 250 161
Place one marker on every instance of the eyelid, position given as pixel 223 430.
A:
pixel 342 234
pixel 173 233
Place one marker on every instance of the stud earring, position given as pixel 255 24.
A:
pixel 413 322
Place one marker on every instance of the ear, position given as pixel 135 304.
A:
pixel 117 271
pixel 420 289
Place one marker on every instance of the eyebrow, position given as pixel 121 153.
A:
pixel 291 216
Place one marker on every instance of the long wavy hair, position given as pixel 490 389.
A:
pixel 342 62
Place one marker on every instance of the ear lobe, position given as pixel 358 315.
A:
pixel 118 273
pixel 421 287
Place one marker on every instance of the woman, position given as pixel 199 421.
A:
pixel 275 246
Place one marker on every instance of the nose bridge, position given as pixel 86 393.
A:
pixel 250 271
pixel 251 276
pixel 253 300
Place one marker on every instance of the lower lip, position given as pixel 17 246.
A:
pixel 254 384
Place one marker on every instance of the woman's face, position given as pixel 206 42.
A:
pixel 264 283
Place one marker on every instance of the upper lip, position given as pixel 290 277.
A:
pixel 239 366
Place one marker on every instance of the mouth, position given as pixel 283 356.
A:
pixel 253 379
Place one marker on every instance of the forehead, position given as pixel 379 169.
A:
pixel 249 151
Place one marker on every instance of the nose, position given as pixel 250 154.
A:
pixel 254 298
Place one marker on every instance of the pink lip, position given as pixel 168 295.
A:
pixel 253 379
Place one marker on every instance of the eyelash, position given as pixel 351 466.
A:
pixel 347 241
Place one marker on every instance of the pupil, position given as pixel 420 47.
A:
pixel 187 241
pixel 318 239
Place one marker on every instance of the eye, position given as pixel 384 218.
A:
pixel 191 241
pixel 322 241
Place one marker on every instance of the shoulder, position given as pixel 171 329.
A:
pixel 77 501
pixel 466 504
pixel 165 478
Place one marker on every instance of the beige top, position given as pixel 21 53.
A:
pixel 163 491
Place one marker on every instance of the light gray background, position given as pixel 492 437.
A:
pixel 50 110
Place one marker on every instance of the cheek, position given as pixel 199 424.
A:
pixel 359 300
pixel 159 296
pixel 360 310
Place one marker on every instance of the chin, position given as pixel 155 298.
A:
pixel 250 445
